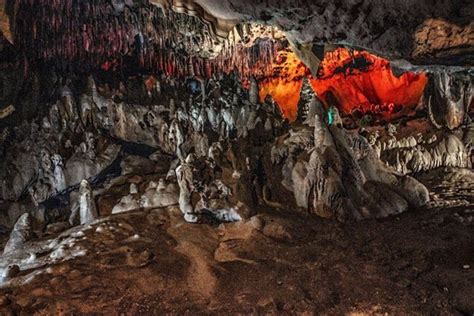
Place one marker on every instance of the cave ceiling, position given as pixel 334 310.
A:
pixel 420 32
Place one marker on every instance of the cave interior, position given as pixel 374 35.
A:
pixel 236 157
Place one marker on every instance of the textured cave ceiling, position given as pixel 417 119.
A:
pixel 428 32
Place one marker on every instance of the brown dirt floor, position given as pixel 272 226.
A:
pixel 279 262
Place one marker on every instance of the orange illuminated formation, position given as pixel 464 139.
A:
pixel 365 83
pixel 356 82
pixel 286 83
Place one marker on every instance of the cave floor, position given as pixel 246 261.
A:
pixel 281 261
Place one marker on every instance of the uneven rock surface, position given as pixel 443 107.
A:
pixel 423 32
pixel 417 147
pixel 236 157
pixel 21 233
pixel 337 174
pixel 277 262
pixel 448 98
pixel 427 32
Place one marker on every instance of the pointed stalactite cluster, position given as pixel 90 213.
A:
pixel 88 35
pixel 256 61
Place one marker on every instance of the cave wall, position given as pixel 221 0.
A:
pixel 449 98
pixel 421 32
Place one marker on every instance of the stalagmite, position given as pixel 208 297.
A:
pixel 306 96
pixel 339 178
pixel 310 142
pixel 162 194
pixel 184 174
pixel 87 206
pixel 59 179
pixel 21 233
pixel 129 202
pixel 253 92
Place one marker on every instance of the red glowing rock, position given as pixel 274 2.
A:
pixel 351 81
pixel 285 84
pixel 366 83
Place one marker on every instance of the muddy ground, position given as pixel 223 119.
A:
pixel 279 262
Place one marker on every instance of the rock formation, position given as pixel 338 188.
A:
pixel 87 206
pixel 284 130
pixel 336 174
pixel 163 194
pixel 21 233
pixel 448 98
pixel 129 202
pixel 184 175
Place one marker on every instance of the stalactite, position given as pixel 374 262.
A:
pixel 84 36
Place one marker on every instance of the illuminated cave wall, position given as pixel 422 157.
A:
pixel 356 82
pixel 285 84
pixel 75 37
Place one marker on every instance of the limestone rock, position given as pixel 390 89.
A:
pixel 164 194
pixel 448 97
pixel 21 233
pixel 87 206
pixel 341 177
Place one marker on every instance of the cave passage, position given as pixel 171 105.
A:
pixel 236 157
pixel 357 83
